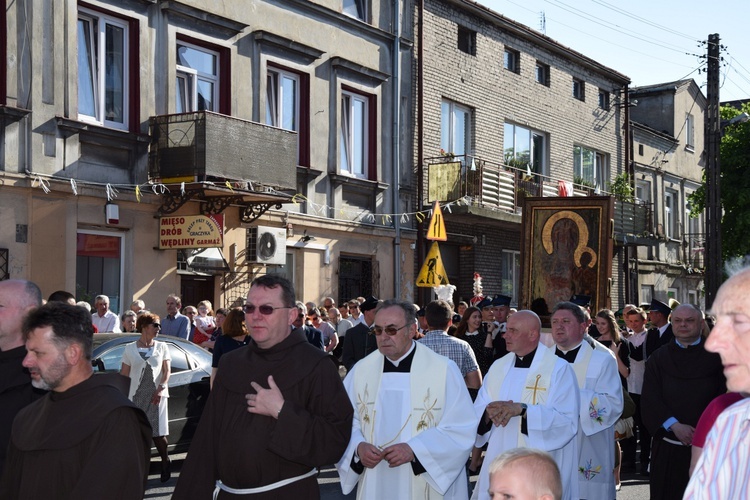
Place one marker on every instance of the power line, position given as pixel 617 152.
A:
pixel 643 20
pixel 612 26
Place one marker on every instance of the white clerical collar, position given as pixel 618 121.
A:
pixel 395 363
pixel 572 349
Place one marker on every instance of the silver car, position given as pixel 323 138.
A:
pixel 188 383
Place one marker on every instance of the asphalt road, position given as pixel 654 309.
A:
pixel 634 487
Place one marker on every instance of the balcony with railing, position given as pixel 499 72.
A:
pixel 502 188
pixel 220 161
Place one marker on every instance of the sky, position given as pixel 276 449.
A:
pixel 650 41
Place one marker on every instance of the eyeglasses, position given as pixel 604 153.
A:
pixel 352 308
pixel 190 313
pixel 389 330
pixel 156 325
pixel 265 309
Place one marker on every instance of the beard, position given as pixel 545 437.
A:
pixel 53 375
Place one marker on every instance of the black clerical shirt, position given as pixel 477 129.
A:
pixel 569 356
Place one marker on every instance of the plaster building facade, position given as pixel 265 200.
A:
pixel 282 117
pixel 669 158
pixel 521 113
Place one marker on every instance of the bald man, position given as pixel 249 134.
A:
pixel 529 398
pixel 525 474
pixel 17 299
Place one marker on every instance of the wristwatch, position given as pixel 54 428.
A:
pixel 523 409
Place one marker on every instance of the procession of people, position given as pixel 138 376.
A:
pixel 404 411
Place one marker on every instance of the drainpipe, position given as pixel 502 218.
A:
pixel 396 135
pixel 630 169
pixel 420 294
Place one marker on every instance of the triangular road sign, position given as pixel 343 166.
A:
pixel 433 271
pixel 436 229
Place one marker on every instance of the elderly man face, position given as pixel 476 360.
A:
pixel 730 337
pixel 173 305
pixel 522 333
pixel 102 306
pixel 394 335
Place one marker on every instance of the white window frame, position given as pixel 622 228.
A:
pixel 689 132
pixel 96 35
pixel 193 77
pixel 671 216
pixel 534 137
pixel 600 168
pixel 348 135
pixel 511 261
pixel 276 100
pixel 643 191
pixel 358 9
pixel 449 135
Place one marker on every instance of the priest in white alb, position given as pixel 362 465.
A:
pixel 529 398
pixel 601 400
pixel 414 424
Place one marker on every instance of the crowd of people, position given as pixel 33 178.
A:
pixel 408 402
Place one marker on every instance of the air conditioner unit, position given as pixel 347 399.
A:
pixel 270 245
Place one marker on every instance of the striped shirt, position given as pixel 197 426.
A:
pixel 722 470
pixel 452 348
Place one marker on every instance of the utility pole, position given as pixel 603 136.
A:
pixel 714 262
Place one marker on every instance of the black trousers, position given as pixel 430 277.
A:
pixel 670 469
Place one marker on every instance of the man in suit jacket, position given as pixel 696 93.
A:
pixel 359 342
pixel 660 332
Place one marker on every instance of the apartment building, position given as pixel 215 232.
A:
pixel 122 122
pixel 521 113
pixel 668 155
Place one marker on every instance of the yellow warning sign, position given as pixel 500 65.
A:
pixel 436 229
pixel 433 271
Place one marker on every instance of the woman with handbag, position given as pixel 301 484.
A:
pixel 147 362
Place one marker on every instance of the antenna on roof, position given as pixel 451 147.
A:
pixel 542 23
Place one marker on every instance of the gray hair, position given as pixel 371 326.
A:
pixel 410 310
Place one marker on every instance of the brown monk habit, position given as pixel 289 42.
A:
pixel 245 450
pixel 89 442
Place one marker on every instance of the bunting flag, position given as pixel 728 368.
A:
pixel 140 190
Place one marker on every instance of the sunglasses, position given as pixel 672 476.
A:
pixel 265 309
pixel 156 325
pixel 389 330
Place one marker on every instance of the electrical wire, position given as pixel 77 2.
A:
pixel 643 20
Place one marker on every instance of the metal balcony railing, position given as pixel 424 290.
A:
pixel 502 187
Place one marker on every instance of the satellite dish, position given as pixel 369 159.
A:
pixel 266 246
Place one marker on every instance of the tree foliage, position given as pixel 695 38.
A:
pixel 735 185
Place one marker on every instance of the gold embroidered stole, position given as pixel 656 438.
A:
pixel 427 392
pixel 581 365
